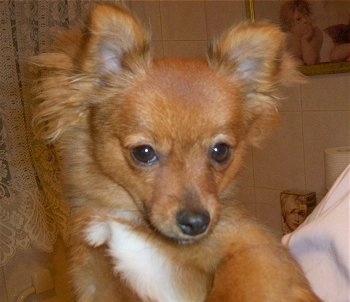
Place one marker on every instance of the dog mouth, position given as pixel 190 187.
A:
pixel 189 240
pixel 188 227
pixel 181 239
pixel 184 241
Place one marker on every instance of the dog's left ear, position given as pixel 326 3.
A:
pixel 114 40
pixel 253 57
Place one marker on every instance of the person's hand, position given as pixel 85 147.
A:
pixel 307 32
pixel 303 30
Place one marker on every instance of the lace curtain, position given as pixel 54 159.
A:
pixel 32 210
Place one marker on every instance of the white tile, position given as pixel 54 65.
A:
pixel 185 49
pixel 157 49
pixel 149 14
pixel 267 10
pixel 246 197
pixel 268 209
pixel 326 92
pixel 279 164
pixel 290 99
pixel 183 20
pixel 246 175
pixel 322 130
pixel 221 15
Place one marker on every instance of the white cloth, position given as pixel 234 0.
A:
pixel 321 244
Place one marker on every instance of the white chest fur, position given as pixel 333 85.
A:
pixel 147 270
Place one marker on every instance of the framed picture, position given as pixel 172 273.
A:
pixel 318 32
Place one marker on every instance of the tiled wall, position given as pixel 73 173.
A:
pixel 182 28
pixel 314 116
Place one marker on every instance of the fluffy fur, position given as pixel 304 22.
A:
pixel 148 149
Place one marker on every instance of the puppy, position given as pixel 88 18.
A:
pixel 148 149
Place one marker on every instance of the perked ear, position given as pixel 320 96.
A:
pixel 113 45
pixel 253 57
pixel 114 40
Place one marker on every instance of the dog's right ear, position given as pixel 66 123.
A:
pixel 114 40
pixel 113 47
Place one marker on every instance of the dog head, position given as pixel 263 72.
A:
pixel 170 132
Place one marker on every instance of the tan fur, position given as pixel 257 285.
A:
pixel 102 95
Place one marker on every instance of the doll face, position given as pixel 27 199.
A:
pixel 301 22
pixel 295 213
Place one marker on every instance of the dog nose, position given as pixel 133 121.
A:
pixel 193 222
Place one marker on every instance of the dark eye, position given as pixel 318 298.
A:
pixel 144 155
pixel 220 153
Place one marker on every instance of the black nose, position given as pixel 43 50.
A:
pixel 193 222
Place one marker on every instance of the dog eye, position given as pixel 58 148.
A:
pixel 220 153
pixel 144 155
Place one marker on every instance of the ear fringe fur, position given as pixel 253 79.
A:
pixel 254 54
pixel 115 40
pixel 57 106
pixel 69 82
pixel 254 57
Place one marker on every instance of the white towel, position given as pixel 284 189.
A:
pixel 321 244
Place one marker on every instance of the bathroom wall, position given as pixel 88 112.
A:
pixel 314 116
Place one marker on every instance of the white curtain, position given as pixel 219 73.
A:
pixel 32 210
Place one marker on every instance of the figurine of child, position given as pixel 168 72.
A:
pixel 294 212
pixel 304 40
